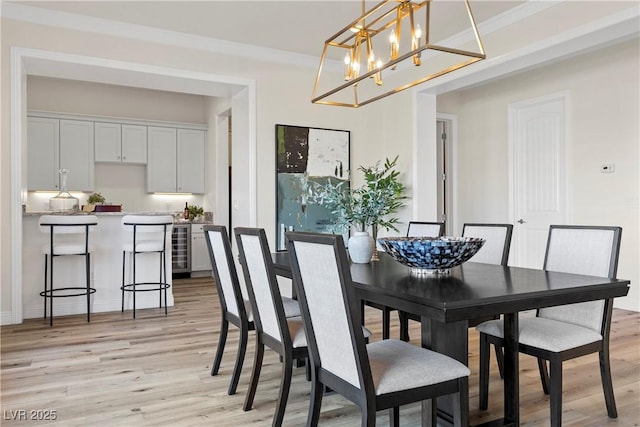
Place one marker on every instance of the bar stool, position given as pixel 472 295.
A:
pixel 65 232
pixel 145 234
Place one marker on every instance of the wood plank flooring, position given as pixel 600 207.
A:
pixel 154 371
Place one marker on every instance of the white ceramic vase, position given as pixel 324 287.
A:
pixel 361 247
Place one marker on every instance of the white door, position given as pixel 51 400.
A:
pixel 538 177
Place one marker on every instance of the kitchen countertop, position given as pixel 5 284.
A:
pixel 177 217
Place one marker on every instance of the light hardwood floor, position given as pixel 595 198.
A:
pixel 154 371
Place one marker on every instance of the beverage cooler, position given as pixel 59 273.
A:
pixel 181 248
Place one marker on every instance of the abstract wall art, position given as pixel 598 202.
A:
pixel 306 155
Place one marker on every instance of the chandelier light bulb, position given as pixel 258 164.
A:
pixel 347 68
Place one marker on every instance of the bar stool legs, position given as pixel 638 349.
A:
pixel 148 236
pixel 69 226
pixel 161 286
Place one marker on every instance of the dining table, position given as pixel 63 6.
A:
pixel 447 302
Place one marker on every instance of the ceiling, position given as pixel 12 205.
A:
pixel 297 26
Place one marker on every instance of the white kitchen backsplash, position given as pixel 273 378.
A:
pixel 122 185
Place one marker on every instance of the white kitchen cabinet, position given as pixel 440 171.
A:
pixel 54 144
pixel 175 160
pixel 134 144
pixel 161 160
pixel 199 252
pixel 116 143
pixel 43 147
pixel 191 161
pixel 76 154
pixel 108 142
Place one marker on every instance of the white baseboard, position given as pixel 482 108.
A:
pixel 69 306
pixel 5 318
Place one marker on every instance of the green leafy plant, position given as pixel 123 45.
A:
pixel 369 205
pixel 195 211
pixel 95 198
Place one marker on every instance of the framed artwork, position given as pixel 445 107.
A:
pixel 305 155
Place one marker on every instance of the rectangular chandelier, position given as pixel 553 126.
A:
pixel 387 50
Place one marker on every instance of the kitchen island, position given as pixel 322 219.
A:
pixel 106 268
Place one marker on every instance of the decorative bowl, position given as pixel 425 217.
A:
pixel 429 255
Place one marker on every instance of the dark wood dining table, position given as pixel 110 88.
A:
pixel 446 304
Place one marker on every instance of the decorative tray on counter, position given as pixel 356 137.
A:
pixel 102 208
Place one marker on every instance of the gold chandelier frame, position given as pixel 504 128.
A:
pixel 360 33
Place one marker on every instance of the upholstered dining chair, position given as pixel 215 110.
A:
pixel 273 329
pixel 414 229
pixel 565 332
pixel 382 375
pixel 425 229
pixel 235 308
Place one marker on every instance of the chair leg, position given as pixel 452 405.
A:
pixel 255 375
pixel 500 360
pixel 544 375
pixel 123 268
pixel 368 415
pixel 607 384
pixel 484 372
pixel 237 369
pixel 404 325
pixel 317 391
pixel 461 404
pixel 51 291
pixel 394 417
pixel 555 400
pixel 222 340
pixel 88 273
pixel 429 412
pixel 134 283
pixel 386 322
pixel 160 282
pixel 285 384
pixel 46 265
pixel 164 266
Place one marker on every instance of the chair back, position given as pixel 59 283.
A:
pixel 262 285
pixel 146 233
pixel 588 250
pixel 224 270
pixel 497 242
pixel 67 229
pixel 66 224
pixel 330 310
pixel 425 229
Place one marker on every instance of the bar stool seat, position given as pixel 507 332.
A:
pixel 68 236
pixel 145 234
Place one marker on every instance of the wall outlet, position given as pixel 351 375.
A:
pixel 608 168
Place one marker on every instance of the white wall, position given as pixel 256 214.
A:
pixel 603 121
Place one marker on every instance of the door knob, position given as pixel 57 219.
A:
pixel 521 221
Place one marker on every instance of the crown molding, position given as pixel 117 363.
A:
pixel 607 31
pixel 41 16
pixel 72 21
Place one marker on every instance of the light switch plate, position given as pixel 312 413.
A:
pixel 608 168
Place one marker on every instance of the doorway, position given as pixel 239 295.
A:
pixel 537 174
pixel 55 64
pixel 445 128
